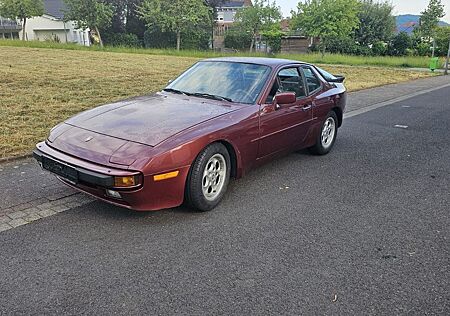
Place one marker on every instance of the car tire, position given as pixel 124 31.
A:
pixel 327 135
pixel 208 178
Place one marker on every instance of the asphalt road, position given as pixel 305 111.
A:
pixel 363 230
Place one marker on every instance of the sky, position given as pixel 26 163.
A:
pixel 401 7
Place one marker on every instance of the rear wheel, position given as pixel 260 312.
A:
pixel 208 178
pixel 327 136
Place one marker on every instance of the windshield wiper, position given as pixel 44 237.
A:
pixel 199 94
pixel 211 96
pixel 175 91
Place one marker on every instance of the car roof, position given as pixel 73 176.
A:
pixel 272 62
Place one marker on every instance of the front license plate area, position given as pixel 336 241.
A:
pixel 61 169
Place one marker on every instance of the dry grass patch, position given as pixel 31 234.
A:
pixel 358 78
pixel 41 87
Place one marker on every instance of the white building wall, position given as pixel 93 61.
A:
pixel 226 15
pixel 47 27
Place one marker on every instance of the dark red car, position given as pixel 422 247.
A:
pixel 218 120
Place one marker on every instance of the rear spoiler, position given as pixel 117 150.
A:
pixel 338 79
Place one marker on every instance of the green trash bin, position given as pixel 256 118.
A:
pixel 434 63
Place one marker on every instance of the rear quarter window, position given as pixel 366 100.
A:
pixel 312 81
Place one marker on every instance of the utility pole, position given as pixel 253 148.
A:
pixel 434 47
pixel 448 57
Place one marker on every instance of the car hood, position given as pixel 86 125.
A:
pixel 149 120
pixel 95 147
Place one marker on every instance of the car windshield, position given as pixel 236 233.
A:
pixel 230 81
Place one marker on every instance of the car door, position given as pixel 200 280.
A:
pixel 284 126
pixel 320 101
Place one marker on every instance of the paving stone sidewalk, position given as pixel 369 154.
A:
pixel 27 193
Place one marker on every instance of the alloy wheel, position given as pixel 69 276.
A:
pixel 328 132
pixel 213 178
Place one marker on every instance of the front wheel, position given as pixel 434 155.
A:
pixel 208 178
pixel 327 136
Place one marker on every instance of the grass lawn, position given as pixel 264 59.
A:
pixel 335 59
pixel 41 87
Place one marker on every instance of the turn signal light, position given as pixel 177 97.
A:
pixel 125 182
pixel 165 176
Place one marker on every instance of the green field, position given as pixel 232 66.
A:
pixel 40 87
pixel 385 61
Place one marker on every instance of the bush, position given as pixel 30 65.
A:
pixel 196 39
pixel 273 39
pixel 122 39
pixel 345 45
pixel 314 48
pixel 364 51
pixel 53 39
pixel 400 44
pixel 379 49
pixel 423 49
pixel 237 40
pixel 155 38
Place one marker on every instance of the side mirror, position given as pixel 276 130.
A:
pixel 285 98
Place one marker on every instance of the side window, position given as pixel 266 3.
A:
pixel 288 80
pixel 312 81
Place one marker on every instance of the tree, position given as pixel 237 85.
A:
pixel 125 23
pixel 326 19
pixel 429 20
pixel 214 4
pixel 22 10
pixel 133 22
pixel 93 14
pixel 237 39
pixel 117 24
pixel 442 38
pixel 176 15
pixel 125 19
pixel 377 23
pixel 400 44
pixel 257 18
pixel 273 37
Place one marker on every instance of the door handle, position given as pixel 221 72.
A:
pixel 307 107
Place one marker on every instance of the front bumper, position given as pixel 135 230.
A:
pixel 73 174
pixel 96 180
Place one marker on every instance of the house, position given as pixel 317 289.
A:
pixel 297 44
pixel 225 19
pixel 408 22
pixel 51 26
pixel 228 9
pixel 294 42
pixel 9 29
